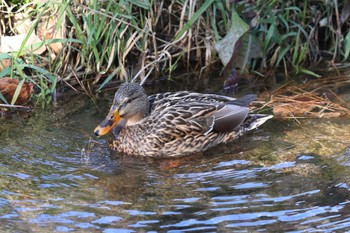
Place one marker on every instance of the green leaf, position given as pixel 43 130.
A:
pixel 289 34
pixel 282 54
pixel 226 46
pixel 302 54
pixel 296 49
pixel 347 46
pixel 246 53
pixel 4 56
pixel 250 49
pixel 221 7
pixel 293 8
pixel 145 4
pixel 5 72
pixel 309 72
pixel 269 36
pixel 284 21
pixel 59 40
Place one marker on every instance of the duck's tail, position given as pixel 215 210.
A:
pixel 253 121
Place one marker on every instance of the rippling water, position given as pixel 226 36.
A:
pixel 285 177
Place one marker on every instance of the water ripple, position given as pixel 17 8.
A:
pixel 55 181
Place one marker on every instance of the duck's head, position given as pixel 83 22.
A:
pixel 130 103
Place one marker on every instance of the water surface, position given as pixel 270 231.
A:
pixel 283 177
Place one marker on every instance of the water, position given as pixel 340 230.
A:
pixel 284 177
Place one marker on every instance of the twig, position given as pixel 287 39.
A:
pixel 19 107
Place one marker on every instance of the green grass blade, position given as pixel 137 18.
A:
pixel 18 90
pixel 347 46
pixel 3 98
pixel 5 72
pixel 309 72
pixel 282 54
pixel 194 18
pixel 268 38
pixel 109 78
pixel 296 50
pixel 44 73
pixel 32 28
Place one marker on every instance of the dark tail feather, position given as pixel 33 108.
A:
pixel 243 101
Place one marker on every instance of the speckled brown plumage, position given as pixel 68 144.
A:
pixel 178 123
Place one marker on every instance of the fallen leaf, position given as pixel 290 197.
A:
pixel 23 22
pixel 8 87
pixel 13 43
pixel 5 63
pixel 47 30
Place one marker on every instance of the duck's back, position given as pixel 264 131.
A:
pixel 161 100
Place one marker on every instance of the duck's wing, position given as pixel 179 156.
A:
pixel 229 117
pixel 227 113
pixel 174 119
pixel 233 114
pixel 177 120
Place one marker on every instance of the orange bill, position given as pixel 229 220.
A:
pixel 107 124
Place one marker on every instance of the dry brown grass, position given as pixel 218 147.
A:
pixel 315 99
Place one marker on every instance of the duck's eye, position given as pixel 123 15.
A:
pixel 125 102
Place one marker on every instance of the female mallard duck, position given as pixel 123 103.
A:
pixel 175 124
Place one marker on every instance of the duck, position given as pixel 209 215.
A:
pixel 175 124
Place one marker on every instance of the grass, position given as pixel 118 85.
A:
pixel 133 40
